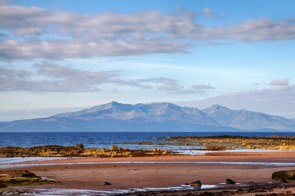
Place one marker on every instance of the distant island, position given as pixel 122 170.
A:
pixel 154 117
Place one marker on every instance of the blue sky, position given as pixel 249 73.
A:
pixel 58 56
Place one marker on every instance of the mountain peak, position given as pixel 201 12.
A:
pixel 165 105
pixel 115 103
pixel 115 106
pixel 112 104
pixel 221 114
pixel 216 108
pixel 219 106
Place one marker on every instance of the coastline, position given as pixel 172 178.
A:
pixel 159 171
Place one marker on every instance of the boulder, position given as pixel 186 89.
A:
pixel 107 183
pixel 284 176
pixel 196 184
pixel 28 174
pixel 230 181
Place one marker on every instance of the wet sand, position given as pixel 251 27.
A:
pixel 162 171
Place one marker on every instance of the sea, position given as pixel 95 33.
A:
pixel 107 139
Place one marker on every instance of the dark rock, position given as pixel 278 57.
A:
pixel 251 189
pixel 107 183
pixel 2 185
pixel 230 181
pixel 28 174
pixel 196 184
pixel 284 176
pixel 80 147
pixel 240 191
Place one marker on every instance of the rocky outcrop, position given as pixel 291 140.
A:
pixel 231 142
pixel 21 177
pixel 284 176
pixel 214 147
pixel 41 151
pixel 28 174
pixel 229 181
pixel 196 184
pixel 76 151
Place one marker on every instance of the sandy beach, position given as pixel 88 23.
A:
pixel 162 171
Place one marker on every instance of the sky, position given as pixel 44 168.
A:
pixel 62 55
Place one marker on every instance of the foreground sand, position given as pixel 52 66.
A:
pixel 163 171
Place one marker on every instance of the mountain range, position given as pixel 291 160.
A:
pixel 154 117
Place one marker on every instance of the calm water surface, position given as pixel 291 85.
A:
pixel 106 139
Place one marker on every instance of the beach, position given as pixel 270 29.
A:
pixel 212 169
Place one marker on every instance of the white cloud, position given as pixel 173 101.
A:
pixel 258 30
pixel 173 86
pixel 32 32
pixel 11 49
pixel 202 88
pixel 279 82
pixel 14 74
pixel 55 78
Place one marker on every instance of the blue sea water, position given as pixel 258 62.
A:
pixel 106 139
